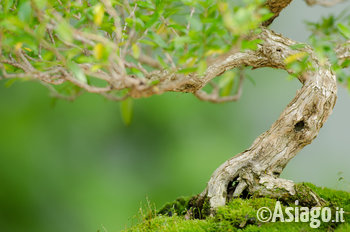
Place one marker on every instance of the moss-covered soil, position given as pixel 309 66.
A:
pixel 241 215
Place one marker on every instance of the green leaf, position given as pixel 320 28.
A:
pixel 64 31
pixel 99 49
pixel 135 50
pixel 298 46
pixel 250 44
pixel 202 67
pixel 25 12
pixel 180 41
pixel 154 82
pixel 295 57
pixel 77 71
pixel 154 18
pixel 98 14
pixel 67 89
pixel 345 64
pixel 145 4
pixel 195 23
pixel 226 83
pixel 40 3
pixel 10 82
pixel 159 41
pixel 147 42
pixel 345 31
pixel 267 16
pixel 126 111
pixel 187 70
pixel 7 5
pixel 162 62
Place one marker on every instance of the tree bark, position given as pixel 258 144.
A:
pixel 257 169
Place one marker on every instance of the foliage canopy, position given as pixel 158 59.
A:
pixel 140 48
pixel 104 46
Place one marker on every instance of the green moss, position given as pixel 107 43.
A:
pixel 171 224
pixel 241 215
pixel 178 207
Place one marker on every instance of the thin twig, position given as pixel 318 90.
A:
pixel 112 12
pixel 215 95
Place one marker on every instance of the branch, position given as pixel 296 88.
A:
pixel 271 53
pixel 275 6
pixel 112 12
pixel 326 3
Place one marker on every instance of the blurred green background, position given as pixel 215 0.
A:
pixel 76 167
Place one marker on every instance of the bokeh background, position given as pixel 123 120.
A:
pixel 74 166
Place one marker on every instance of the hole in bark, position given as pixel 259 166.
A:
pixel 299 126
pixel 187 86
pixel 278 50
pixel 277 174
pixel 231 187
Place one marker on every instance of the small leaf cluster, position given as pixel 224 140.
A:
pixel 185 33
pixel 328 36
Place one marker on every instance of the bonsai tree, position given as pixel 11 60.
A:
pixel 125 50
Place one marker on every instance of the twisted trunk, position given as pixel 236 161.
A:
pixel 257 170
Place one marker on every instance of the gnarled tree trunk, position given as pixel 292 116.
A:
pixel 257 169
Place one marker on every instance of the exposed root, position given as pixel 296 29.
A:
pixel 239 189
pixel 283 190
